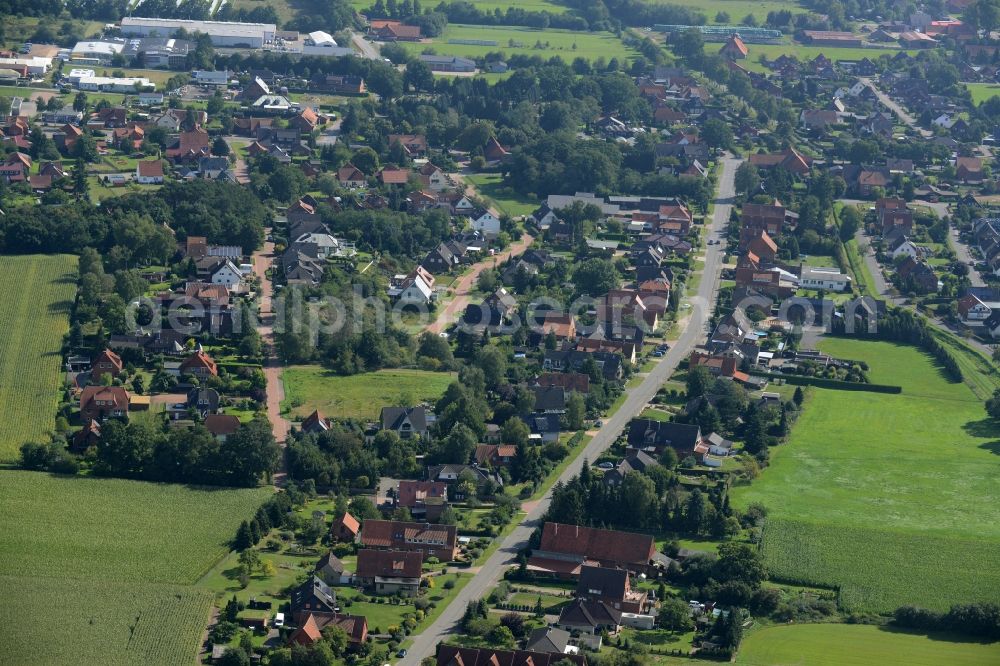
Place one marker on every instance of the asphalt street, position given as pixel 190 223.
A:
pixel 638 397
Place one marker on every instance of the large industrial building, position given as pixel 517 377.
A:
pixel 222 33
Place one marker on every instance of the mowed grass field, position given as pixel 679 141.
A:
pixel 36 295
pixel 311 387
pixel 982 91
pixel 99 571
pixel 805 52
pixel 525 41
pixel 860 645
pixel 888 497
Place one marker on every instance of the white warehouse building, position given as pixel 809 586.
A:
pixel 222 33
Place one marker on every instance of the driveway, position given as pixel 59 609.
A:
pixel 367 49
pixel 966 256
pixel 638 397
pixel 262 260
pixel 467 283
pixel 900 112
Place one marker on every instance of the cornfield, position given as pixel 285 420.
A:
pixel 36 294
pixel 878 570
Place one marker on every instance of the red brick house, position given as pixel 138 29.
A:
pixel 426 500
pixel 440 541
pixel 345 528
pixel 199 364
pixel 390 571
pixel 106 363
pixel 100 402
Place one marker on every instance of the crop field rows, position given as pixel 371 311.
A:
pixel 36 293
pixel 103 569
pixel 887 497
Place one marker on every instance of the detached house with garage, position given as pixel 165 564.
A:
pixel 98 403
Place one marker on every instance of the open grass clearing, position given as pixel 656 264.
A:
pixel 490 185
pixel 310 387
pixel 982 91
pixel 859 645
pixel 874 476
pixel 806 52
pixel 36 295
pixel 565 44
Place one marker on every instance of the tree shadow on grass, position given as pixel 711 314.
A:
pixel 984 428
pixel 943 636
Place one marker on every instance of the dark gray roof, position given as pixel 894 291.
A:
pixel 590 613
pixel 643 433
pixel 547 639
pixel 549 398
pixel 602 582
pixel 393 418
pixel 313 595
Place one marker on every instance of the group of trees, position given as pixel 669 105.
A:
pixel 980 620
pixel 142 450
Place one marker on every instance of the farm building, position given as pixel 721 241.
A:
pixel 439 63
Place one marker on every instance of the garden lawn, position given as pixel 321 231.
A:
pixel 526 41
pixel 889 497
pixel 36 294
pixel 310 387
pixel 859 645
pixel 490 185
pixel 101 568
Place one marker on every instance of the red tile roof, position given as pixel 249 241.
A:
pixel 602 545
pixel 389 563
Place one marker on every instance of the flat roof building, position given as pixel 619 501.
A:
pixel 101 52
pixel 222 33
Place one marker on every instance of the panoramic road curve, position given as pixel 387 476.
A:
pixel 425 644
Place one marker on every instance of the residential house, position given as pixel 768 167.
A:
pixel 106 363
pixel 636 461
pixel 315 423
pixel 818 119
pixel 871 180
pixel 222 425
pixel 199 364
pixel 351 176
pixel 549 399
pixel 407 422
pixel 569 381
pixel 969 169
pixel 590 618
pixel 611 586
pixel 204 400
pixel 494 455
pixel 414 289
pixel 346 528
pixel 426 500
pixel 415 144
pixel 149 172
pixel 394 31
pixel 486 223
pixel 549 640
pixel 311 625
pixel 971 308
pixel 789 159
pixel 441 259
pixel 654 436
pixel 772 218
pixel 494 152
pixel 564 549
pixel 331 570
pixel 390 571
pixel 902 246
pixel 918 276
pixel 313 596
pixel 560 325
pixel 98 403
pixel 734 48
pixel 393 175
pixel 440 541
pixel 451 655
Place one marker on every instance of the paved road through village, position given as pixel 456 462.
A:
pixel 425 644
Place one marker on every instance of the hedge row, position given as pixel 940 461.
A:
pixel 823 382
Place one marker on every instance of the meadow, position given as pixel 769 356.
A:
pixel 804 52
pixel 311 387
pixel 982 91
pixel 565 44
pixel 859 645
pixel 101 568
pixel 36 294
pixel 886 496
pixel 491 186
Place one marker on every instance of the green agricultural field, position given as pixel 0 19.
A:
pixel 525 41
pixel 311 387
pixel 484 5
pixel 491 186
pixel 112 529
pixel 804 52
pixel 982 91
pixel 737 9
pixel 886 496
pixel 860 645
pixel 58 621
pixel 36 294
pixel 103 567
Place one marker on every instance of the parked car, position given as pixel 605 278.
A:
pixel 279 620
pixel 606 465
